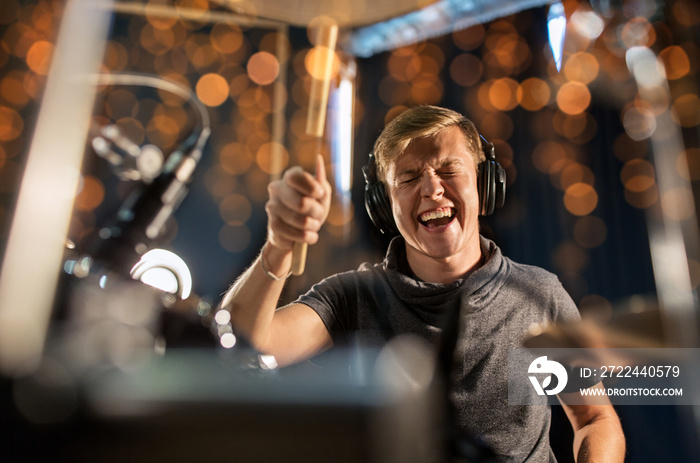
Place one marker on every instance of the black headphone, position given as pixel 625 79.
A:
pixel 491 184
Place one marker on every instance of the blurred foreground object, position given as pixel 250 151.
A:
pixel 196 406
pixel 36 243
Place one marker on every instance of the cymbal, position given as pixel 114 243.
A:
pixel 642 329
pixel 347 14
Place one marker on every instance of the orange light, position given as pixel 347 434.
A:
pixel 218 182
pixel 91 194
pixel 404 67
pixel 573 98
pixel 675 61
pixel 576 173
pixel 637 175
pixel 466 69
pixel 503 94
pixel 11 124
pixel 590 232
pixel 686 110
pixel 272 158
pixel 235 209
pixel 692 157
pixel 533 94
pixel 638 32
pixel 426 89
pixel 316 59
pixel 212 89
pixel 469 39
pixel 234 159
pixel 226 38
pixel 12 89
pixel 581 67
pixel 549 157
pixel 676 204
pixel 580 199
pixel 39 57
pixel 263 68
pixel 686 12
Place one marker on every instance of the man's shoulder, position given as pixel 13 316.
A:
pixel 364 271
pixel 529 271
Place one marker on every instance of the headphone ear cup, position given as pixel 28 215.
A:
pixel 500 186
pixel 487 187
pixel 491 181
pixel 377 202
pixel 382 209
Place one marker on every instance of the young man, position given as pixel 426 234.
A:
pixel 427 159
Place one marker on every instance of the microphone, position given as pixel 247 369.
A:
pixel 141 219
pixel 129 160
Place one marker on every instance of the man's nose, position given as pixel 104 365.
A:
pixel 431 186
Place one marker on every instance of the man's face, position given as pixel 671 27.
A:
pixel 434 196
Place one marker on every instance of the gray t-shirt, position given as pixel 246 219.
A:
pixel 497 305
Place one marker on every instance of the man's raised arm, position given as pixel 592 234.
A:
pixel 297 207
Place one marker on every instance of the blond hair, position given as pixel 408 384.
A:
pixel 422 122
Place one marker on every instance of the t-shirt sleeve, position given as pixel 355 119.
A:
pixel 329 299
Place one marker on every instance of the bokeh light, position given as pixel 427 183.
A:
pixel 677 203
pixel 581 67
pixel 234 158
pixel 569 257
pixel 676 62
pixel 12 89
pixel 689 165
pixel 637 175
pixel 686 12
pixel 466 69
pixel 39 57
pixel 226 38
pixel 686 110
pixel 549 157
pixel 212 89
pixel 573 98
pixel 639 122
pixel 235 209
pixel 503 94
pixel 91 194
pixel 533 94
pixel 470 38
pixel 637 32
pixel 590 232
pixel 272 158
pixel 580 198
pixel 11 124
pixel 263 68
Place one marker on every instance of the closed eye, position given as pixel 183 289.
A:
pixel 408 180
pixel 447 173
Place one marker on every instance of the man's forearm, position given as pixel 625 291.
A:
pixel 252 299
pixel 601 440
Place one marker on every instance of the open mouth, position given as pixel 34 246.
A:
pixel 438 217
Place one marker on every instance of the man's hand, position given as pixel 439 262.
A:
pixel 297 207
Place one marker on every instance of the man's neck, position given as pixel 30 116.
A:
pixel 444 270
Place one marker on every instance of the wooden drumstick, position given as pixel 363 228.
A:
pixel 324 31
